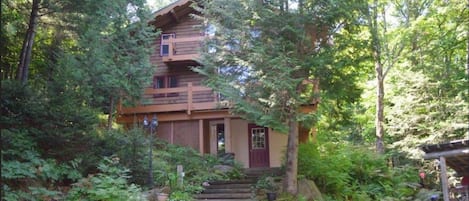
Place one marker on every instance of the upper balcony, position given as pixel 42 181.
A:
pixel 180 49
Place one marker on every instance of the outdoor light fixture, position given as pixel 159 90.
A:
pixel 152 127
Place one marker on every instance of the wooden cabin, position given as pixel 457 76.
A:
pixel 189 113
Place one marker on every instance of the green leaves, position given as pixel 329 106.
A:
pixel 344 171
pixel 109 184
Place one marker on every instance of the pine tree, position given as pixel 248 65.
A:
pixel 264 58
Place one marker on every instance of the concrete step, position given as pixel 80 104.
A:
pixel 223 196
pixel 222 190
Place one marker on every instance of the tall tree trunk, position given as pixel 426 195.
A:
pixel 467 59
pixel 25 55
pixel 376 50
pixel 291 183
pixel 379 105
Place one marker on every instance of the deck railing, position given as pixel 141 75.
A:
pixel 182 49
pixel 187 99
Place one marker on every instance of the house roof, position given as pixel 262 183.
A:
pixel 172 13
pixel 456 154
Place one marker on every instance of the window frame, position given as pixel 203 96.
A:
pixel 169 35
pixel 163 82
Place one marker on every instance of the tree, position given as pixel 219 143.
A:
pixel 428 90
pixel 113 54
pixel 262 57
pixel 25 55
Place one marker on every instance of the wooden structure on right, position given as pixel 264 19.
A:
pixel 454 154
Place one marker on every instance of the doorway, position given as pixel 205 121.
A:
pixel 258 146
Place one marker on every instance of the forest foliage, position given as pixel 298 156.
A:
pixel 87 54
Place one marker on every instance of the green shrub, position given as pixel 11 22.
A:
pixel 180 196
pixel 348 172
pixel 108 185
pixel 28 176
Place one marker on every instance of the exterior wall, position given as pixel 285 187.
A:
pixel 239 141
pixel 187 27
pixel 185 133
pixel 278 146
pixel 164 131
pixel 240 144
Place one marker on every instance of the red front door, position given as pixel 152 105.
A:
pixel 258 146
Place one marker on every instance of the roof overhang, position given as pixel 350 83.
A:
pixel 172 13
pixel 456 154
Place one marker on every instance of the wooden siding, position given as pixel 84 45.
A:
pixel 188 27
pixel 164 131
pixel 186 133
pixel 188 93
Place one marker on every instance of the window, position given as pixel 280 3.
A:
pixel 164 50
pixel 172 83
pixel 258 138
pixel 160 82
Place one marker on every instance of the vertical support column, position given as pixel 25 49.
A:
pixel 444 178
pixel 201 136
pixel 171 140
pixel 228 147
pixel 213 139
pixel 189 98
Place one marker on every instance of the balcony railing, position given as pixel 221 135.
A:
pixel 189 98
pixel 181 49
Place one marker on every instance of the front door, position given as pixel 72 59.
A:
pixel 258 146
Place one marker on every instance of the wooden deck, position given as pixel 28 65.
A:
pixel 188 99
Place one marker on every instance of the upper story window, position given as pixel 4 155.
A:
pixel 160 82
pixel 164 50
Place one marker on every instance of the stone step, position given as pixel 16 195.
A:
pixel 229 186
pixel 223 199
pixel 243 181
pixel 255 173
pixel 222 190
pixel 223 196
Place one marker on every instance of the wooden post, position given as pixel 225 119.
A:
pixel 189 97
pixel 201 136
pixel 213 139
pixel 228 148
pixel 444 178
pixel 180 175
pixel 171 140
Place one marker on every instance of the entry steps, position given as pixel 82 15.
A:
pixel 235 190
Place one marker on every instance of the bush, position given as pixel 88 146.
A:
pixel 108 185
pixel 197 168
pixel 28 176
pixel 348 172
pixel 180 196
